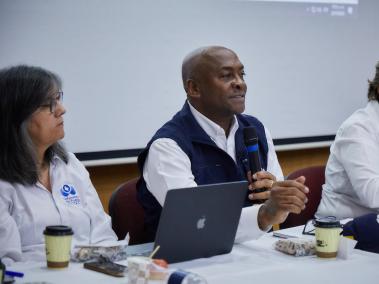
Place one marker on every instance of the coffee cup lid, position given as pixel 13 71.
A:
pixel 58 230
pixel 327 222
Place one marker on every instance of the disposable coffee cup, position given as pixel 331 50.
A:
pixel 58 245
pixel 139 269
pixel 328 232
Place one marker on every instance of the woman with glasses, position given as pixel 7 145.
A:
pixel 40 183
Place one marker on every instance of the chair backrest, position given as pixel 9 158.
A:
pixel 127 213
pixel 315 178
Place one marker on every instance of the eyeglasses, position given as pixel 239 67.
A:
pixel 309 229
pixel 53 101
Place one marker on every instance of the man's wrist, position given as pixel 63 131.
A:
pixel 264 220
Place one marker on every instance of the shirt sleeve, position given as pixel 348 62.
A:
pixel 248 228
pixel 101 226
pixel 10 240
pixel 168 167
pixel 273 165
pixel 358 152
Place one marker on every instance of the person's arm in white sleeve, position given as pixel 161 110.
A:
pixel 10 248
pixel 101 226
pixel 358 151
pixel 248 228
pixel 273 165
pixel 168 167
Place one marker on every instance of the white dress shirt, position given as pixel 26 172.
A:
pixel 27 210
pixel 168 167
pixel 351 186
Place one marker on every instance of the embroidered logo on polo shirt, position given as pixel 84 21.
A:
pixel 70 195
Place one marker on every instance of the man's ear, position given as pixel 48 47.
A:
pixel 192 88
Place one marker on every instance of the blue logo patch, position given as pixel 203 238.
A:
pixel 70 195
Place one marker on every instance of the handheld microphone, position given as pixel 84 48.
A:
pixel 251 143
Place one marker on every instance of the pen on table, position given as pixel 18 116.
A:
pixel 282 236
pixel 14 273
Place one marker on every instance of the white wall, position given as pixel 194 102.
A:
pixel 120 60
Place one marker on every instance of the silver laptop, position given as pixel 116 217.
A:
pixel 200 221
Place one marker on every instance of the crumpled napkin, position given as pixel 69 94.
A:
pixel 112 253
pixel 296 247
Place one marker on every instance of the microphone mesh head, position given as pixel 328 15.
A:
pixel 250 135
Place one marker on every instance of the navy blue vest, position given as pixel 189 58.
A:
pixel 209 163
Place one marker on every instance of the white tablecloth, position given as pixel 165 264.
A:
pixel 250 262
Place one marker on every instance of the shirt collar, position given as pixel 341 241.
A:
pixel 55 160
pixel 211 128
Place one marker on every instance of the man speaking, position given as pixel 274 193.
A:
pixel 204 143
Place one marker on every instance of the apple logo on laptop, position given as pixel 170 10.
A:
pixel 201 223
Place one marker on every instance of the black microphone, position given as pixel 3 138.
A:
pixel 251 143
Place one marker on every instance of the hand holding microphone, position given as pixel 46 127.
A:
pixel 260 181
pixel 261 184
pixel 280 198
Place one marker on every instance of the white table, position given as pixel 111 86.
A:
pixel 250 262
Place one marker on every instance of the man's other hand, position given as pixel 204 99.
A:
pixel 286 197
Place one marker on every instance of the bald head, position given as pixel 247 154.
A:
pixel 196 62
pixel 213 78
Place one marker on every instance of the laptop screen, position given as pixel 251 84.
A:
pixel 200 221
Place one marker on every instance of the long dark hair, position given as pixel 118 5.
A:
pixel 23 89
pixel 373 86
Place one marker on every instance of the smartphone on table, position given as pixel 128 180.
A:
pixel 107 267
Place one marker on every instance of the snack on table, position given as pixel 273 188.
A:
pixel 160 262
pixel 113 253
pixel 296 247
pixel 158 270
